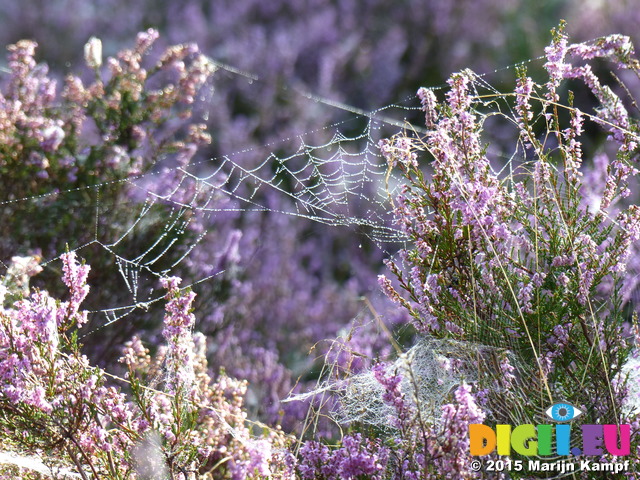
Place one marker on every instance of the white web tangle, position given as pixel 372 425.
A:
pixel 430 371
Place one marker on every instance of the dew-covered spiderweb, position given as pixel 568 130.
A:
pixel 323 175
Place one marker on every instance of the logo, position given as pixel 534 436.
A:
pixel 563 412
pixel 540 440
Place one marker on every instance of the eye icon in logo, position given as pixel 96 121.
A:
pixel 563 412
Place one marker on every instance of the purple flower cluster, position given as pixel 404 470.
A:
pixel 317 47
pixel 393 396
pixel 75 278
pixel 46 381
pixel 427 448
pixel 450 452
pixel 178 332
pixel 200 418
pixel 60 144
pixel 356 458
pixel 463 204
pixel 611 112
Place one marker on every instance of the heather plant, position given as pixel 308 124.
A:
pixel 356 458
pixel 327 48
pixel 367 56
pixel 58 145
pixel 52 399
pixel 516 278
pixel 174 421
pixel 199 419
pixel 125 137
pixel 523 262
pixel 70 154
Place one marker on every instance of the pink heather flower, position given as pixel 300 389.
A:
pixel 525 296
pixel 388 289
pixel 194 78
pixel 630 224
pixel 315 461
pixel 356 458
pixel 563 260
pixel 615 46
pixel 38 400
pixel 572 147
pixel 393 396
pixel 611 111
pixel 145 40
pixel 538 279
pixel 508 377
pixel 21 63
pixel 39 320
pixel 523 92
pixel 561 333
pixel 585 280
pixel 259 455
pixel 75 278
pixel 399 148
pixel 428 102
pixel 458 96
pixel 135 355
pixel 563 279
pixel 451 451
pixel 556 66
pixel 76 93
pixel 178 326
pixel 360 458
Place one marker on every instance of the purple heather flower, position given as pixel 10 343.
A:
pixel 356 458
pixel 178 332
pixel 315 461
pixel 428 102
pixel 523 91
pixel 75 278
pixel 556 66
pixel 615 46
pixel 451 451
pixel 393 396
pixel 359 457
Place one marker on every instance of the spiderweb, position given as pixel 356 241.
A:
pixel 430 371
pixel 331 175
pixel 335 181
